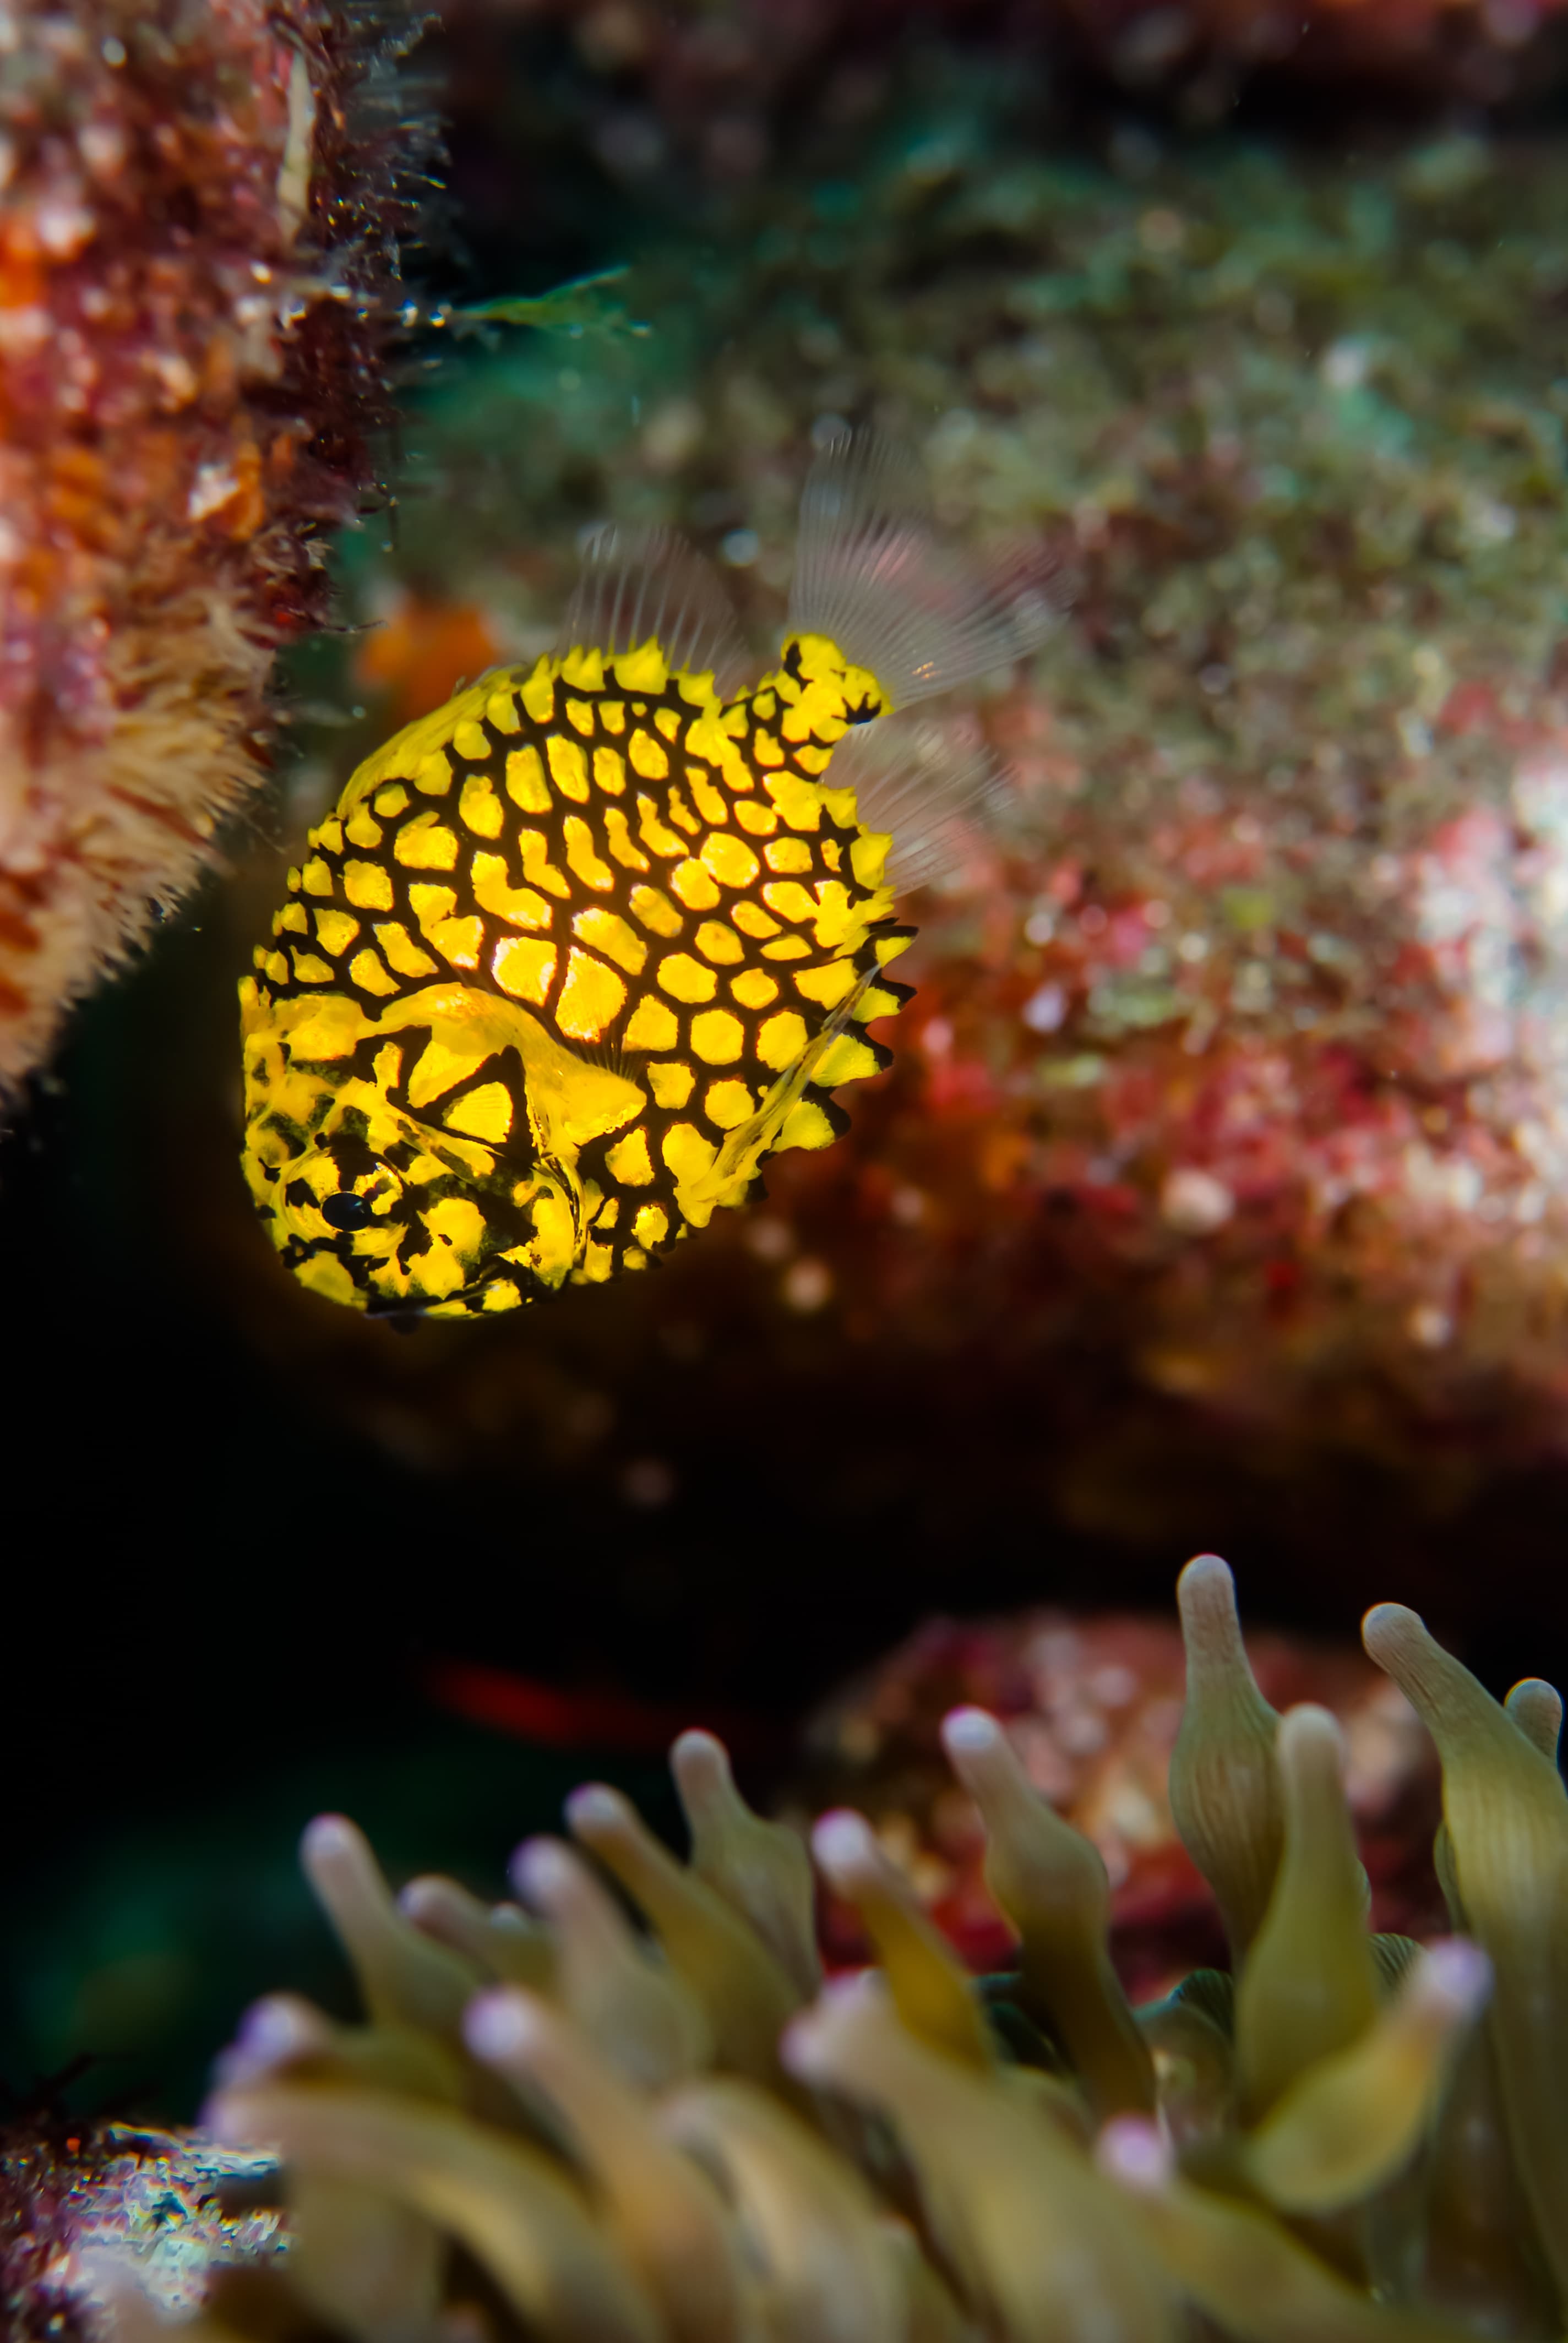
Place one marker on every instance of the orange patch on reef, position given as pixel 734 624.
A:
pixel 423 652
pixel 1003 1155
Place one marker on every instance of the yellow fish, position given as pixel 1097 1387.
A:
pixel 578 951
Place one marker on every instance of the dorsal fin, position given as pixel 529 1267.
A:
pixel 933 785
pixel 871 575
pixel 638 583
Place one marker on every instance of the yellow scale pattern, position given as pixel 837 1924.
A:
pixel 573 956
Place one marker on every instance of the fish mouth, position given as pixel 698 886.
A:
pixel 514 1228
pixel 403 1315
pixel 405 1309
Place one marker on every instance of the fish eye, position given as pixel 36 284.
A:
pixel 346 1212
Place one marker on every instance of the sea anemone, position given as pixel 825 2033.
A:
pixel 554 2123
pixel 1091 1701
pixel 199 250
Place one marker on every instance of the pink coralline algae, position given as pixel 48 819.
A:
pixel 199 240
pixel 79 2194
pixel 1092 1705
pixel 1283 1099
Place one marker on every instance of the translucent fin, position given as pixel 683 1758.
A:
pixel 761 1134
pixel 933 786
pixel 638 583
pixel 871 576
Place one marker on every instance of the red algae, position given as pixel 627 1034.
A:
pixel 1242 1070
pixel 199 247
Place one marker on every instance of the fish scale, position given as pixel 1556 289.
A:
pixel 572 957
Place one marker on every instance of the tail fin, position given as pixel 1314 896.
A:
pixel 638 583
pixel 933 785
pixel 871 575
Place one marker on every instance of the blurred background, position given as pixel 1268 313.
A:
pixel 1218 1196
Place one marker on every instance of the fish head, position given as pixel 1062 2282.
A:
pixel 395 1217
pixel 369 1183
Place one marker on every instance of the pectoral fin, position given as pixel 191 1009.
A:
pixel 735 1165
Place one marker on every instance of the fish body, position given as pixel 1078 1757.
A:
pixel 578 951
pixel 571 957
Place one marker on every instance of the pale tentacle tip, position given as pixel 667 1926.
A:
pixel 701 1762
pixel 802 2047
pixel 499 2024
pixel 279 2028
pixel 596 1806
pixel 1134 2152
pixel 1307 1725
pixel 967 1731
pixel 805 2046
pixel 1535 1688
pixel 1390 1626
pixel 326 1838
pixel 276 2031
pixel 423 1898
pixel 1208 1580
pixel 842 1842
pixel 1453 1971
pixel 542 1871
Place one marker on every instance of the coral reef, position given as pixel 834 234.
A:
pixel 1233 1095
pixel 200 232
pixel 551 2124
pixel 1092 1705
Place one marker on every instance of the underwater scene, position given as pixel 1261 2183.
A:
pixel 784 905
